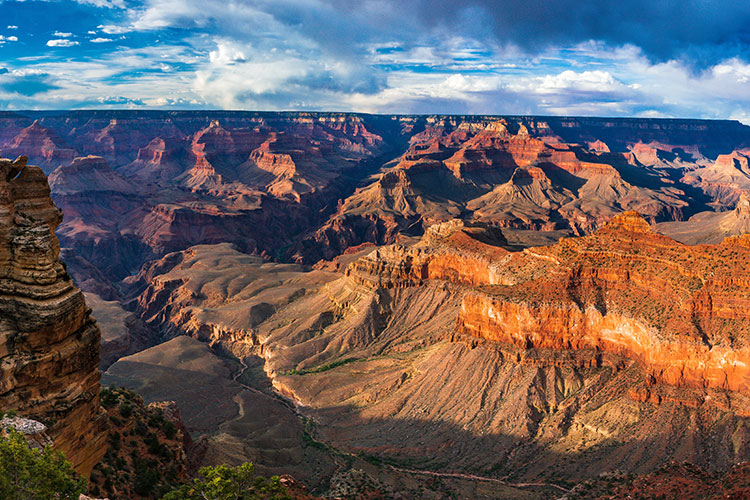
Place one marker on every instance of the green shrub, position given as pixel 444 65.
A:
pixel 126 410
pixel 169 429
pixel 36 474
pixel 230 483
pixel 108 398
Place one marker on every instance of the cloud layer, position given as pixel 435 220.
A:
pixel 631 57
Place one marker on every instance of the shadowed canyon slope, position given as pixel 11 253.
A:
pixel 49 344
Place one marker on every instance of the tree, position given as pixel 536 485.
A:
pixel 230 483
pixel 27 474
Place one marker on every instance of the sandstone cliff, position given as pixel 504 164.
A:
pixel 680 311
pixel 49 344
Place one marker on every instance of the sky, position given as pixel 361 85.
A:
pixel 657 58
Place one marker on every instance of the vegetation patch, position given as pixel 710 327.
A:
pixel 321 368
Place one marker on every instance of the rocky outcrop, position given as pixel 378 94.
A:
pixel 301 169
pixel 685 481
pixel 162 160
pixel 723 180
pixel 41 144
pixel 458 251
pixel 711 227
pixel 147 448
pixel 88 174
pixel 49 344
pixel 34 432
pixel 506 173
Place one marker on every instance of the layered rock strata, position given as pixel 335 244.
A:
pixel 49 343
pixel 680 311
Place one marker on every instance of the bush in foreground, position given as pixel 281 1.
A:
pixel 230 483
pixel 32 474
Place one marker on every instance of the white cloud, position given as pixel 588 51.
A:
pixel 12 27
pixel 60 34
pixel 226 53
pixel 461 83
pixel 586 81
pixel 110 4
pixel 189 13
pixel 273 55
pixel 62 42
pixel 114 30
pixel 92 82
pixel 8 38
pixel 28 72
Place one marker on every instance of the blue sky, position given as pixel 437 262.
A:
pixel 687 58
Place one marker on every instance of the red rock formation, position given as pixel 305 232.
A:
pixel 89 174
pixel 510 179
pixel 118 141
pixel 296 166
pixel 457 251
pixel 453 166
pixel 680 480
pixel 49 344
pixel 142 438
pixel 679 311
pixel 160 160
pixel 736 160
pixel 40 144
pixel 724 180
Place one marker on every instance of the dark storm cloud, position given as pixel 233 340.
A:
pixel 698 32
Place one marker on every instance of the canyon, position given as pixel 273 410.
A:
pixel 423 306
pixel 135 185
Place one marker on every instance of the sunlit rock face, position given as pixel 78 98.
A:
pixel 49 344
pixel 679 311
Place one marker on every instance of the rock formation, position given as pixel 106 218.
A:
pixel 49 344
pixel 409 356
pixel 41 144
pixel 711 227
pixel 489 173
pixel 89 174
pixel 679 311
pixel 34 432
pixel 147 448
pixel 302 181
pixel 681 480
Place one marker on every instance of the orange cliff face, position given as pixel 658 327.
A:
pixel 681 312
pixel 49 344
pixel 456 251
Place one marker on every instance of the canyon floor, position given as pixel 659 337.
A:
pixel 418 306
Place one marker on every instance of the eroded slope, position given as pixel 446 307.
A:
pixel 410 357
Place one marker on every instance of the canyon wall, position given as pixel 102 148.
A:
pixel 681 312
pixel 49 344
pixel 135 185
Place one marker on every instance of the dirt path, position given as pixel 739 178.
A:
pixel 473 477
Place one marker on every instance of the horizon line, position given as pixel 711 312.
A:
pixel 406 115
